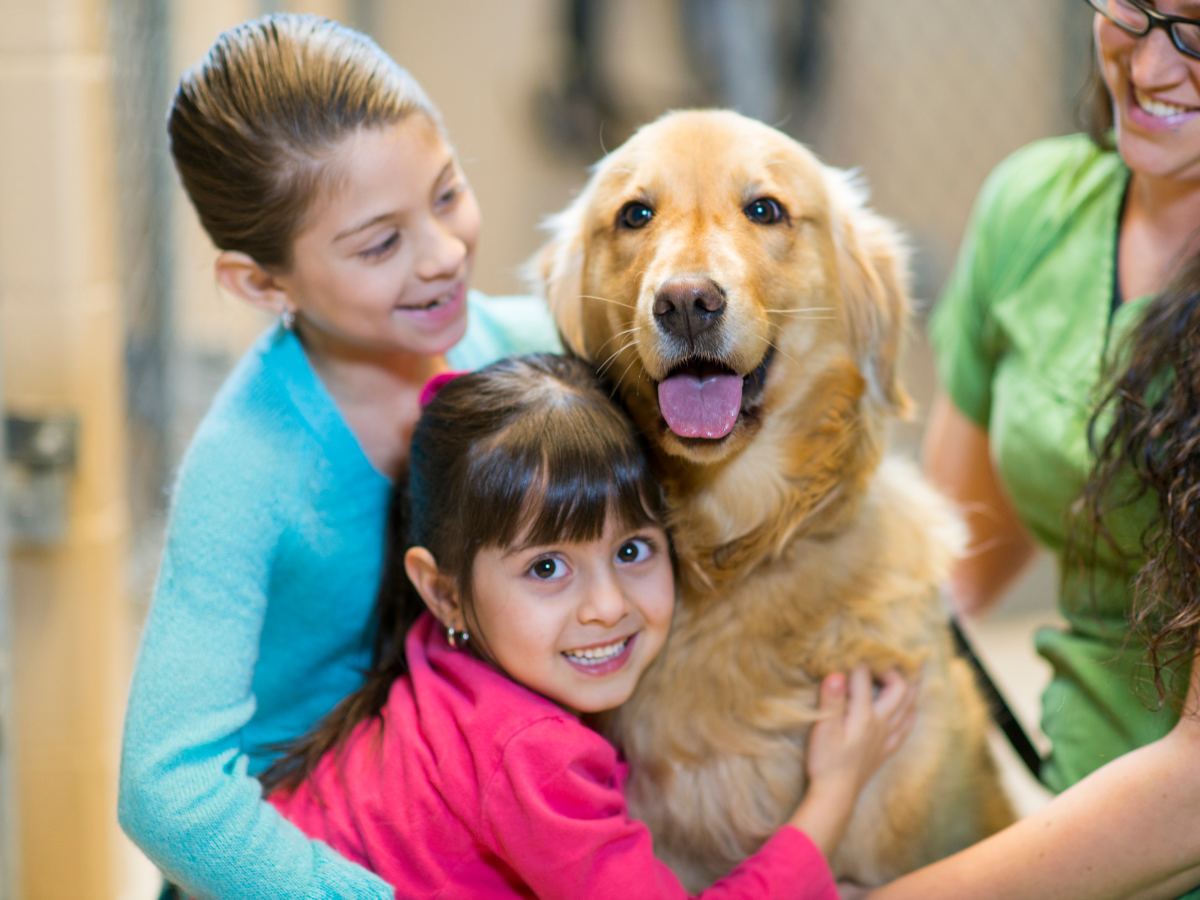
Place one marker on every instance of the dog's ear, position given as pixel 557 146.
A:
pixel 556 273
pixel 872 264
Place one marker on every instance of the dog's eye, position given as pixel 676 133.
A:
pixel 634 215
pixel 764 211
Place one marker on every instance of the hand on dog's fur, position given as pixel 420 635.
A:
pixel 858 730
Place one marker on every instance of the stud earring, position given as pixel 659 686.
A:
pixel 287 318
pixel 454 637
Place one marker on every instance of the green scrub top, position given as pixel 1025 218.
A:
pixel 1021 335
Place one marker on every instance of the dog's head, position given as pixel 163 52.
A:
pixel 717 272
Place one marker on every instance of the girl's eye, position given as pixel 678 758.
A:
pixel 764 211
pixel 634 215
pixel 548 569
pixel 634 550
pixel 382 247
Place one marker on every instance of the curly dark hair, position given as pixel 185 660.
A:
pixel 1154 402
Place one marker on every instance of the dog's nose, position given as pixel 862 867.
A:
pixel 686 307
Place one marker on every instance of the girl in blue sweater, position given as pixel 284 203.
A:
pixel 323 175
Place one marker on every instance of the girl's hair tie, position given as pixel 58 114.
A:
pixel 434 384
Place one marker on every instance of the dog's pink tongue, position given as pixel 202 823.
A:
pixel 700 407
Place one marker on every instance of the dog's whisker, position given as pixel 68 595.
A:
pixel 626 370
pixel 608 363
pixel 603 370
pixel 780 350
pixel 619 334
pixel 616 336
pixel 613 357
pixel 630 330
pixel 815 318
pixel 606 300
pixel 802 311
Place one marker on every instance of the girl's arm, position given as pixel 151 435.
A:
pixel 957 460
pixel 185 796
pixel 1128 830
pixel 558 816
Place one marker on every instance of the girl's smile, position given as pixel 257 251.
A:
pixel 445 307
pixel 602 659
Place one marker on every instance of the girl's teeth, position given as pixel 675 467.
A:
pixel 432 304
pixel 1157 108
pixel 594 655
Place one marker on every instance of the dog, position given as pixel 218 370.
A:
pixel 749 309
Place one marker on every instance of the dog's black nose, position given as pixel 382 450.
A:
pixel 686 307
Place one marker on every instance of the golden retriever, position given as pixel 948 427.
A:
pixel 749 310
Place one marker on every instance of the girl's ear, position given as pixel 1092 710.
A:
pixel 239 274
pixel 434 586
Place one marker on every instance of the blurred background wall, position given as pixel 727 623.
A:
pixel 113 335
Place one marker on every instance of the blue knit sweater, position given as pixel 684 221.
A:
pixel 259 621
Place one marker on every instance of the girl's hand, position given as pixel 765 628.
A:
pixel 858 731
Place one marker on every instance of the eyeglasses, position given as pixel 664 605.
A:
pixel 1133 17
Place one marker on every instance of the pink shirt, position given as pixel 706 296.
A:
pixel 471 785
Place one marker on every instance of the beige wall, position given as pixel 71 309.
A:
pixel 61 342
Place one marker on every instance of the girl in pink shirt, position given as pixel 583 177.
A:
pixel 539 587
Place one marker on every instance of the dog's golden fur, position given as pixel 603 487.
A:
pixel 801 551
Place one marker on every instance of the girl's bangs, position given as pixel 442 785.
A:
pixel 560 489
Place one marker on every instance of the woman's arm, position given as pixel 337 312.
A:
pixel 1128 830
pixel 185 796
pixel 957 460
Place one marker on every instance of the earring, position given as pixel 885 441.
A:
pixel 287 318
pixel 454 636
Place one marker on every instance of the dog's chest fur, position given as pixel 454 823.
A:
pixel 741 669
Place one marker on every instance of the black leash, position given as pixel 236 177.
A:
pixel 1002 715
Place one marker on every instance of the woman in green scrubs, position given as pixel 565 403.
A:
pixel 1083 260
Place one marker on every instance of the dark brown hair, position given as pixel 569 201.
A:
pixel 252 126
pixel 529 449
pixel 1095 108
pixel 1153 448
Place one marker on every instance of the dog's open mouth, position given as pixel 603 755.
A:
pixel 701 399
